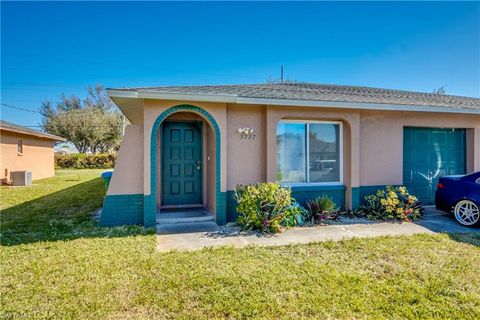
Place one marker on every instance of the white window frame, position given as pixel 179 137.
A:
pixel 307 151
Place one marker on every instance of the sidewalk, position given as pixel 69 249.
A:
pixel 211 236
pixel 207 234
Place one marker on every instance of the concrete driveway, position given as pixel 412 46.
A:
pixel 439 221
pixel 193 236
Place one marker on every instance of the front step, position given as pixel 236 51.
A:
pixel 184 220
pixel 179 228
pixel 183 215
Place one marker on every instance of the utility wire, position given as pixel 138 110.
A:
pixel 29 110
pixel 24 109
pixel 78 126
pixel 18 108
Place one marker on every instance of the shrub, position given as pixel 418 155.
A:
pixel 86 161
pixel 267 207
pixel 391 204
pixel 321 208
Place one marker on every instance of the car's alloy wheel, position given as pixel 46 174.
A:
pixel 467 213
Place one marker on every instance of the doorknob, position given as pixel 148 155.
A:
pixel 197 164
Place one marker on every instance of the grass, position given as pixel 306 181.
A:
pixel 111 274
pixel 57 208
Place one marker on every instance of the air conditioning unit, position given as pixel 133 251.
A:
pixel 21 178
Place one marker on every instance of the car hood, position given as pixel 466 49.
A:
pixel 453 177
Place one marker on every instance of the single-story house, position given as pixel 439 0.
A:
pixel 25 149
pixel 191 145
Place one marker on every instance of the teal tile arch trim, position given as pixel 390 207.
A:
pixel 122 209
pixel 149 214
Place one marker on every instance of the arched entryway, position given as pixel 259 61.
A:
pixel 185 162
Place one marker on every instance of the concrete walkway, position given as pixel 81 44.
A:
pixel 193 236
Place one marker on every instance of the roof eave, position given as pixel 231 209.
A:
pixel 151 94
pixel 34 134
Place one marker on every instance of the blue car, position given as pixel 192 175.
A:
pixel 460 194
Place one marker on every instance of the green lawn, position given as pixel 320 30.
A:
pixel 115 273
pixel 57 208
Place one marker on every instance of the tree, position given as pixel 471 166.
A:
pixel 92 125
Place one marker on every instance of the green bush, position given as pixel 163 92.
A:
pixel 391 204
pixel 86 161
pixel 321 208
pixel 267 207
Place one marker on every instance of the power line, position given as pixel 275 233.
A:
pixel 18 108
pixel 29 110
pixel 77 126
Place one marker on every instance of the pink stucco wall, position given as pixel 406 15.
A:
pixel 37 156
pixel 246 158
pixel 372 143
pixel 127 178
pixel 381 141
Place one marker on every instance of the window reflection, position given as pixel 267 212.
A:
pixel 322 144
pixel 291 151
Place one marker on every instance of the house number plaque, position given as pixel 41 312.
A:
pixel 246 133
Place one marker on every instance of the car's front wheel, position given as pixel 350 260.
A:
pixel 467 213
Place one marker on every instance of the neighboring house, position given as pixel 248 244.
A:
pixel 191 145
pixel 61 151
pixel 22 149
pixel 65 149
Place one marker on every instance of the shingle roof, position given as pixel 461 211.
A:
pixel 323 92
pixel 12 127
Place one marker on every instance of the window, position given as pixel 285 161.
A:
pixel 19 147
pixel 309 152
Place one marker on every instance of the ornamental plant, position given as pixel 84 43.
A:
pixel 267 207
pixel 392 204
pixel 321 208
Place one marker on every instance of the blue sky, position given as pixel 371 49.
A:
pixel 53 48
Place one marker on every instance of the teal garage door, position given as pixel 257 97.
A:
pixel 428 154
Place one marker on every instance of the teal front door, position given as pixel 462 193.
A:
pixel 428 154
pixel 182 167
